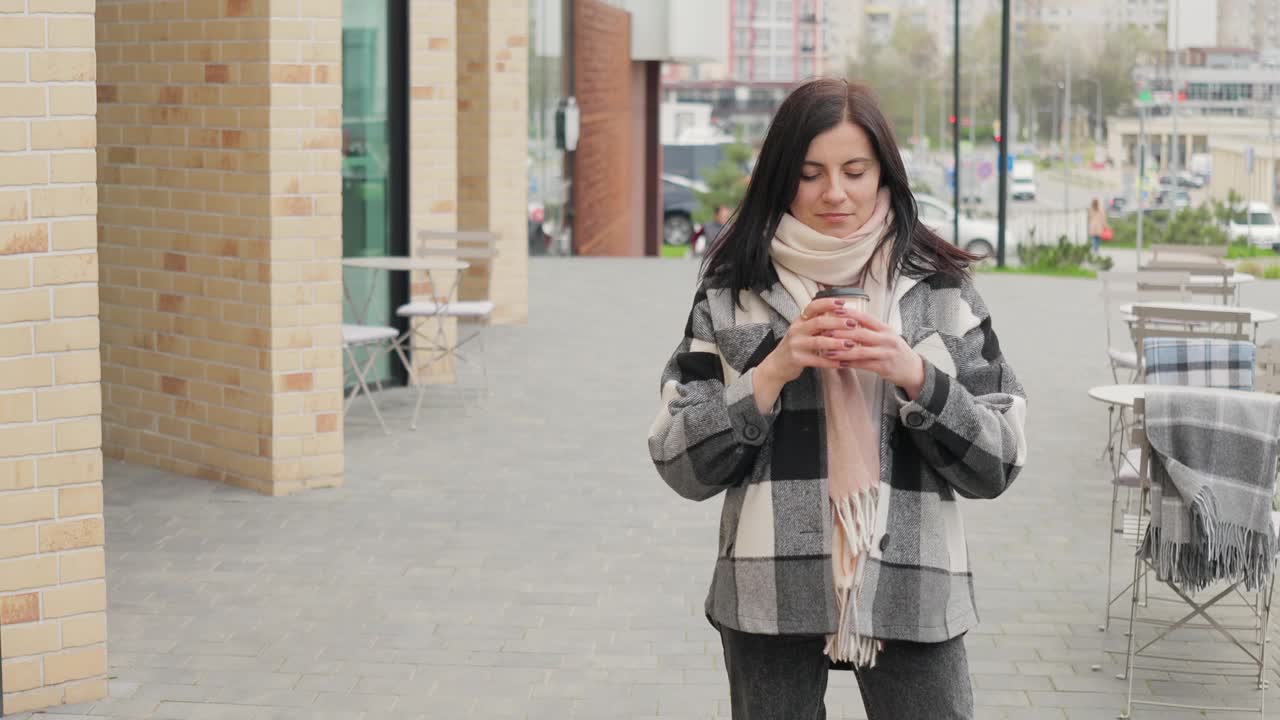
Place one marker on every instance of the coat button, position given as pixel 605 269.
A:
pixel 884 542
pixel 752 432
pixel 915 420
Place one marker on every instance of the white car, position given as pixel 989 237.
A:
pixel 1259 227
pixel 1022 189
pixel 976 236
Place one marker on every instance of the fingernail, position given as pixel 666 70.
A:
pixel 850 323
pixel 839 303
pixel 844 364
pixel 850 343
pixel 840 311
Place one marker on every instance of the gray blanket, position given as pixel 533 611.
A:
pixel 1213 473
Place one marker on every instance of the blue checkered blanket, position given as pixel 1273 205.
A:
pixel 1199 362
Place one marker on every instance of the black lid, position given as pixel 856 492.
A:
pixel 842 292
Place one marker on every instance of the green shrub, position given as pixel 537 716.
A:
pixel 1253 268
pixel 1190 226
pixel 1062 256
pixel 1272 272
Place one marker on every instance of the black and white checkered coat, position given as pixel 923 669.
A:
pixel 962 436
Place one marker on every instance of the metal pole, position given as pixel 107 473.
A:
pixel 1066 144
pixel 955 136
pixel 1142 172
pixel 1174 163
pixel 973 107
pixel 1097 126
pixel 1003 152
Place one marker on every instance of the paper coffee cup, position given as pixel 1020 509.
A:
pixel 855 298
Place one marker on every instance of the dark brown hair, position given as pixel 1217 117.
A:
pixel 739 258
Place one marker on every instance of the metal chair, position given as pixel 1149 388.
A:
pixel 1210 279
pixel 1119 288
pixel 1195 615
pixel 374 340
pixel 464 245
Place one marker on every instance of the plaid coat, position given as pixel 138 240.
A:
pixel 962 436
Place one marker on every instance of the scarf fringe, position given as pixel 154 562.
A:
pixel 855 522
pixel 1216 550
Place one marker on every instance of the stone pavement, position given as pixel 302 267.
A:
pixel 518 557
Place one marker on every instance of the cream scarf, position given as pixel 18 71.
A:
pixel 806 260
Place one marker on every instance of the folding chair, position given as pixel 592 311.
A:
pixel 1169 541
pixel 1210 279
pixel 1266 377
pixel 1182 362
pixel 374 340
pixel 1208 254
pixel 463 245
pixel 1119 288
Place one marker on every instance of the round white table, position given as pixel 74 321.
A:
pixel 1235 280
pixel 401 263
pixel 1256 315
pixel 1122 395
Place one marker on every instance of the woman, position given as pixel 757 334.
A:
pixel 839 437
pixel 1097 225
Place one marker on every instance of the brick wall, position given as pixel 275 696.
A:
pixel 602 172
pixel 219 134
pixel 493 118
pixel 52 591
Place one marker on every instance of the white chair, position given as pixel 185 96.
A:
pixel 479 248
pixel 1250 639
pixel 374 340
pixel 1119 288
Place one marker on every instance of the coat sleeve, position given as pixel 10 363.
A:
pixel 970 427
pixel 708 433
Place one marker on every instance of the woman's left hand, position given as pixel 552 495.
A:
pixel 882 351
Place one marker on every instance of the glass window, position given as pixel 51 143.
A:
pixel 782 38
pixel 740 69
pixel 783 9
pixel 741 37
pixel 741 8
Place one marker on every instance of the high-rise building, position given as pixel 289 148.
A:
pixel 1249 24
pixel 778 41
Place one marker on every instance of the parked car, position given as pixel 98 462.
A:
pixel 679 201
pixel 1259 226
pixel 976 236
pixel 1172 198
pixel 1118 206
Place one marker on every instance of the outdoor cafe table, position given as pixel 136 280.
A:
pixel 1121 395
pixel 400 263
pixel 1256 316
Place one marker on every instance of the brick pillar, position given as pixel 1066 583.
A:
pixel 52 587
pixel 219 128
pixel 433 132
pixel 493 119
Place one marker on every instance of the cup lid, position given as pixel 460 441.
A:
pixel 846 291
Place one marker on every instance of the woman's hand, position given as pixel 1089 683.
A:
pixel 813 340
pixel 884 352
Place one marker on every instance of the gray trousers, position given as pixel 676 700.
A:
pixel 784 677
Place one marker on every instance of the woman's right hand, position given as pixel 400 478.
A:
pixel 821 330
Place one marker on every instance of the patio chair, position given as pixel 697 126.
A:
pixel 374 340
pixel 464 245
pixel 1226 364
pixel 1209 254
pixel 1195 435
pixel 1119 288
pixel 1266 376
pixel 1210 280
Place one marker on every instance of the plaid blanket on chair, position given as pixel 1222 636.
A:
pixel 1213 473
pixel 1199 362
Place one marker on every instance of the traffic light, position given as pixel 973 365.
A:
pixel 951 119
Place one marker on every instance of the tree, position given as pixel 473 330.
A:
pixel 726 182
pixel 1113 66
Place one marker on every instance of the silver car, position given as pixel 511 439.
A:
pixel 976 236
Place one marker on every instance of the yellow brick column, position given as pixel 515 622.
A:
pixel 219 131
pixel 433 138
pixel 52 587
pixel 305 296
pixel 493 82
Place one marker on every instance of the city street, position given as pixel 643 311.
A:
pixel 518 557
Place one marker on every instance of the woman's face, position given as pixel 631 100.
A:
pixel 838 182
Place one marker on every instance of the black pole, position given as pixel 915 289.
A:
pixel 955 128
pixel 1005 23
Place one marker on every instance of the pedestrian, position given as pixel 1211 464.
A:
pixel 840 438
pixel 1097 225
pixel 712 229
